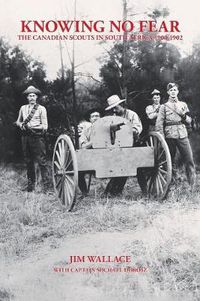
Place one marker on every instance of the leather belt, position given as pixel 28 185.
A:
pixel 173 123
pixel 33 133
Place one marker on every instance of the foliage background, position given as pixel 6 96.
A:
pixel 131 69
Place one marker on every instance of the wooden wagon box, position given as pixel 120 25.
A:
pixel 113 154
pixel 115 162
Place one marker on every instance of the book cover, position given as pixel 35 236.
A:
pixel 115 222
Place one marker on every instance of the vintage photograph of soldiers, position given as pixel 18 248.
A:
pixel 99 156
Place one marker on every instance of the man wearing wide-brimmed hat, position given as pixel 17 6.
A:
pixel 115 107
pixel 116 185
pixel 32 120
pixel 152 110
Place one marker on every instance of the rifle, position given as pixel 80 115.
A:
pixel 29 131
pixel 189 126
pixel 23 128
pixel 114 127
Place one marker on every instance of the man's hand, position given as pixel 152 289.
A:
pixel 87 144
pixel 18 123
pixel 180 112
pixel 183 117
pixel 135 133
pixel 27 126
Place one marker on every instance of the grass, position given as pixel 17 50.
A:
pixel 166 235
pixel 5 295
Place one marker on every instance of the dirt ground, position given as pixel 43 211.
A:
pixel 35 279
pixel 38 236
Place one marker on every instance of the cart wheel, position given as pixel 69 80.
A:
pixel 159 177
pixel 65 171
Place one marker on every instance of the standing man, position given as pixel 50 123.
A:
pixel 32 121
pixel 116 109
pixel 152 110
pixel 116 185
pixel 171 122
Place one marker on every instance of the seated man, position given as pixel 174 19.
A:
pixel 116 185
pixel 83 125
pixel 85 142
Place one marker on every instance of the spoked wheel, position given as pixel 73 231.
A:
pixel 159 177
pixel 65 171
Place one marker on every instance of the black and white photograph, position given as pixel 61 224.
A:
pixel 99 150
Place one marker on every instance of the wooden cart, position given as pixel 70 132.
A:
pixel 112 155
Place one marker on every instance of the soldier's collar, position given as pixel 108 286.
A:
pixel 32 104
pixel 173 99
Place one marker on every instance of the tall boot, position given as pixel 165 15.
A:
pixel 31 185
pixel 45 178
pixel 30 176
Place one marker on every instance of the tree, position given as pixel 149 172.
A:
pixel 147 65
pixel 189 77
pixel 17 70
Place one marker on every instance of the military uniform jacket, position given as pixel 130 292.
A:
pixel 169 123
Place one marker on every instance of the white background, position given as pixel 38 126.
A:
pixel 12 11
